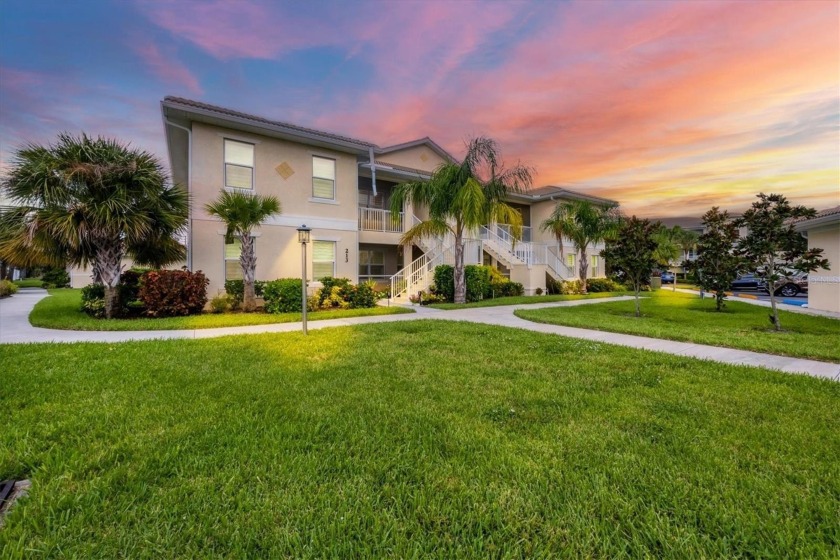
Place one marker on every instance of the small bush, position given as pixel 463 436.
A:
pixel 236 289
pixel 7 288
pixel 444 282
pixel 596 285
pixel 361 296
pixel 222 303
pixel 333 289
pixel 283 295
pixel 55 278
pixel 426 298
pixel 539 291
pixel 169 293
pixel 93 300
pixel 508 289
pixel 571 287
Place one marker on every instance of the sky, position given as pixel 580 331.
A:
pixel 668 107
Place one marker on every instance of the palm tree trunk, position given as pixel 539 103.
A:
pixel 583 269
pixel 108 265
pixel 248 262
pixel 460 280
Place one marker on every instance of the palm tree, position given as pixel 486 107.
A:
pixel 686 240
pixel 463 196
pixel 242 212
pixel 585 224
pixel 91 201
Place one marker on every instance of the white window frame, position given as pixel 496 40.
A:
pixel 571 260
pixel 593 262
pixel 314 261
pixel 225 163
pixel 333 178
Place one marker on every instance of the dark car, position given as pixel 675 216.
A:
pixel 667 277
pixel 747 282
pixel 790 285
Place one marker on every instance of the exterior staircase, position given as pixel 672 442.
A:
pixel 495 240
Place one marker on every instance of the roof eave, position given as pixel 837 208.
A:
pixel 234 121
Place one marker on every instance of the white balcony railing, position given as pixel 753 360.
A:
pixel 374 219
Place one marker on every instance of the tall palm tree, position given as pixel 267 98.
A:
pixel 242 212
pixel 91 201
pixel 462 197
pixel 686 240
pixel 584 224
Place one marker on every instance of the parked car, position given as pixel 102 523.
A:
pixel 791 285
pixel 747 282
pixel 667 277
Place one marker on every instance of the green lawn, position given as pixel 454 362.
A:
pixel 415 439
pixel 519 300
pixel 61 311
pixel 685 317
pixel 29 283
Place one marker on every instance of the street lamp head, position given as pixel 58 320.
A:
pixel 303 234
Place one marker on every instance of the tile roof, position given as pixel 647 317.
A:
pixel 262 120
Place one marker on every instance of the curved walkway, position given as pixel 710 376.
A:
pixel 15 328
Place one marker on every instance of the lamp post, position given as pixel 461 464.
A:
pixel 303 239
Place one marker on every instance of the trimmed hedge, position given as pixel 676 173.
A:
pixel 483 282
pixel 169 293
pixel 283 295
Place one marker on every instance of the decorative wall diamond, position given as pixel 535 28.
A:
pixel 284 170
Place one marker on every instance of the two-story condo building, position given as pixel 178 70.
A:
pixel 340 187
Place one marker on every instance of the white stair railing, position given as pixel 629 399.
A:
pixel 506 246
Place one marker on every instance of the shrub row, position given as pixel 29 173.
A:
pixel 285 295
pixel 236 289
pixel 153 293
pixel 483 282
pixel 574 287
pixel 7 288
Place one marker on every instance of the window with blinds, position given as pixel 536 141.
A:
pixel 323 178
pixel 239 165
pixel 594 263
pixel 570 260
pixel 323 259
pixel 233 270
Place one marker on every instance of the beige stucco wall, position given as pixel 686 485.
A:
pixel 418 157
pixel 824 285
pixel 278 252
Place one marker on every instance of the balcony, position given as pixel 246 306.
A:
pixel 374 219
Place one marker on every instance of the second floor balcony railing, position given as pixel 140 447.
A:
pixel 374 219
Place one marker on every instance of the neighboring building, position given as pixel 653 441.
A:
pixel 823 232
pixel 341 188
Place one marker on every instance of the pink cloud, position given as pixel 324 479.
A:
pixel 166 67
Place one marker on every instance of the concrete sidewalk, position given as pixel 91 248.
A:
pixel 15 328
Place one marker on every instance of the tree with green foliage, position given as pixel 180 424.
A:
pixel 667 250
pixel 717 265
pixel 584 224
pixel 772 248
pixel 462 197
pixel 242 212
pixel 91 201
pixel 631 253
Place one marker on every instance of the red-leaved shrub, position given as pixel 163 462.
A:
pixel 167 293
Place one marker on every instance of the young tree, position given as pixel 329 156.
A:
pixel 462 197
pixel 91 201
pixel 717 265
pixel 667 250
pixel 242 212
pixel 686 240
pixel 631 253
pixel 584 224
pixel 772 247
